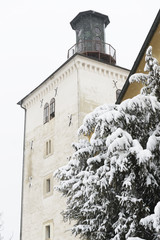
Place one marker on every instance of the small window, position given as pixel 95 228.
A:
pixel 48 147
pixel 48 185
pixel 46 112
pixel 52 108
pixel 118 93
pixel 47 232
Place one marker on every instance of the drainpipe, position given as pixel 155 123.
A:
pixel 22 188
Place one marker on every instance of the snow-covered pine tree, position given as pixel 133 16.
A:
pixel 112 181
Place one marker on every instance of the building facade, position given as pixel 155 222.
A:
pixel 53 113
pixel 152 39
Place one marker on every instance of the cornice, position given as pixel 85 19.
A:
pixel 78 62
pixel 48 86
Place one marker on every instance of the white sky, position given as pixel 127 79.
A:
pixel 35 36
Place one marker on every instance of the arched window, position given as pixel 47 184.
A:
pixel 118 91
pixel 52 108
pixel 46 113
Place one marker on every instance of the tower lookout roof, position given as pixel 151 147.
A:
pixel 90 12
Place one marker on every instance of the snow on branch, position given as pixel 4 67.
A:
pixel 153 220
pixel 112 181
pixel 151 81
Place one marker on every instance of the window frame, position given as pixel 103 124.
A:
pixel 118 91
pixel 48 232
pixel 48 185
pixel 46 113
pixel 48 148
pixel 48 228
pixel 52 108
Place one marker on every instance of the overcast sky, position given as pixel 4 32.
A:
pixel 35 36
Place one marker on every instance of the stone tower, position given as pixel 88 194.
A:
pixel 54 111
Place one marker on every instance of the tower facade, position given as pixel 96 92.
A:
pixel 53 113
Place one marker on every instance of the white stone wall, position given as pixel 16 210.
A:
pixel 97 84
pixel 82 84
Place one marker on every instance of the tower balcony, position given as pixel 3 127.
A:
pixel 94 49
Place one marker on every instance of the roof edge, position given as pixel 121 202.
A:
pixel 51 75
pixel 140 55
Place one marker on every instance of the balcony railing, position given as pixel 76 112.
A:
pixel 95 49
